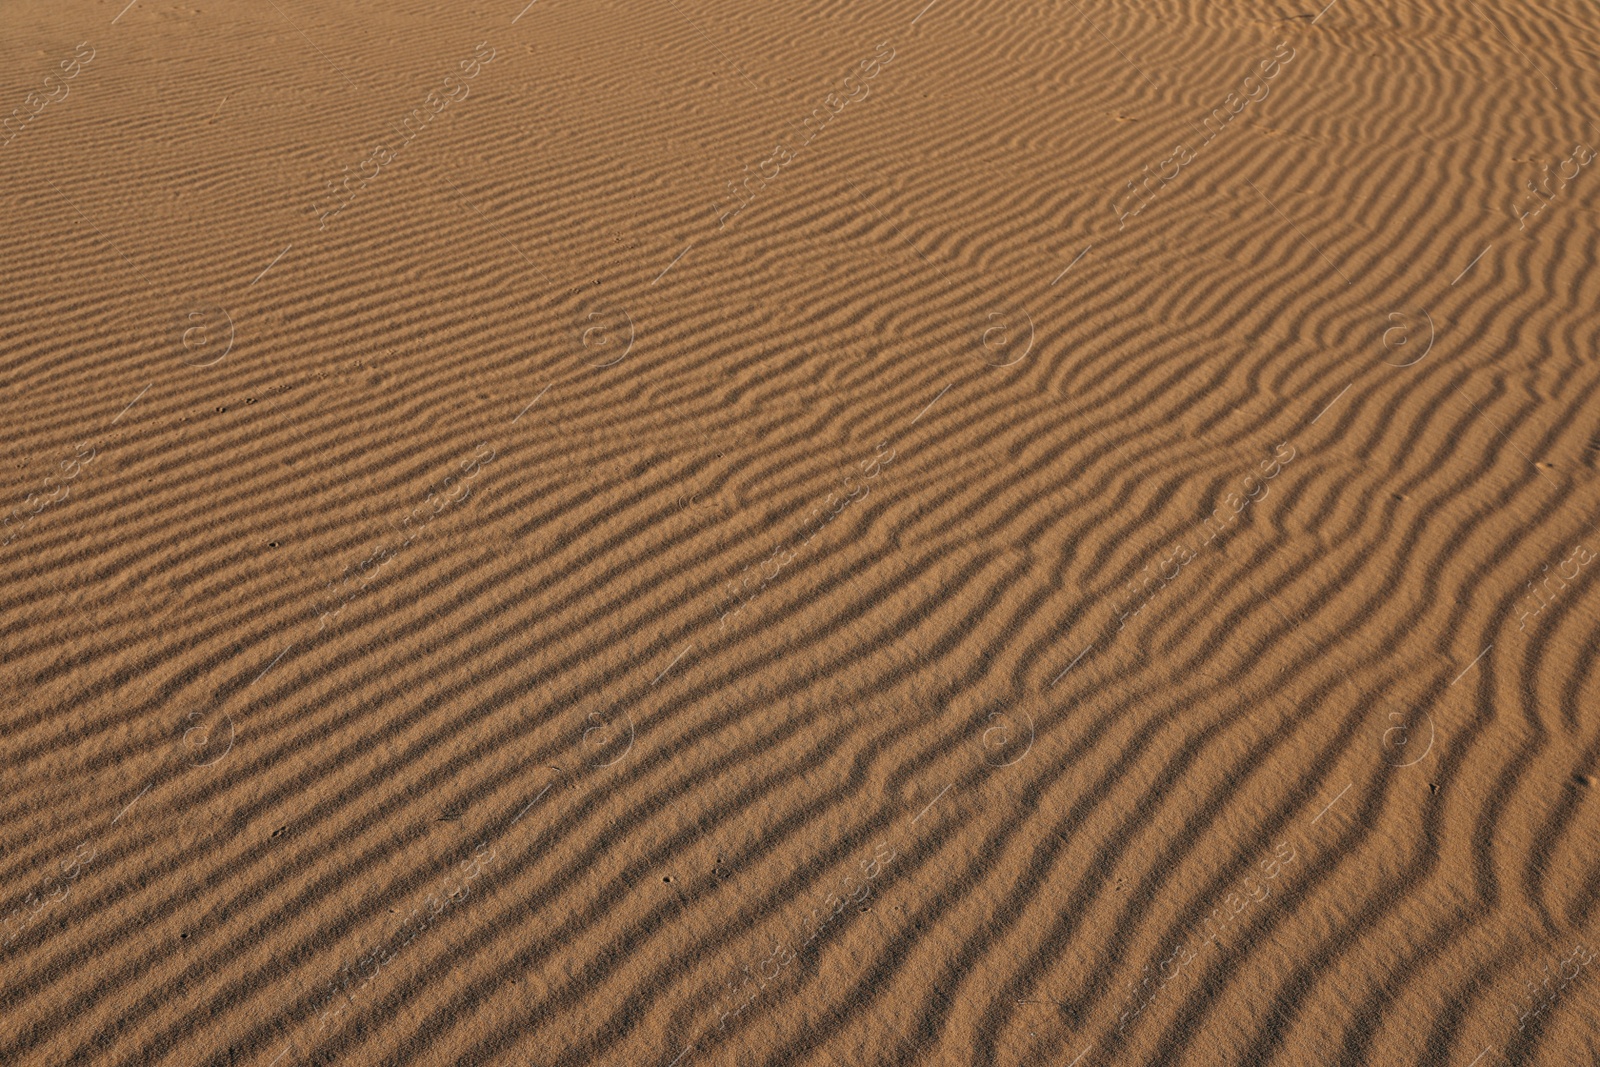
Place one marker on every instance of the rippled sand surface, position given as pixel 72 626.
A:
pixel 693 532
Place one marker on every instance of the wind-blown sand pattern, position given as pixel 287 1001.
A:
pixel 697 533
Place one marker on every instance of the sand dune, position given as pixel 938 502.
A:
pixel 695 533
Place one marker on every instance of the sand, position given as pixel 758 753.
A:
pixel 705 533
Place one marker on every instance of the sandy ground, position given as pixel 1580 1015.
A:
pixel 695 532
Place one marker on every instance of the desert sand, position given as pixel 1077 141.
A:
pixel 701 533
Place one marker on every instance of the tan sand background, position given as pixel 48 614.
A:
pixel 693 532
